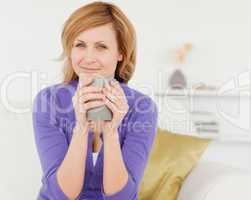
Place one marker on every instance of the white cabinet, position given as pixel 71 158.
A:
pixel 205 114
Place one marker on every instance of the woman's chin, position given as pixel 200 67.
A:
pixel 93 74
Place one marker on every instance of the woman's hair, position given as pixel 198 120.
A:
pixel 93 15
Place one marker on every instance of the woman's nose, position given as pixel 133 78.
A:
pixel 89 55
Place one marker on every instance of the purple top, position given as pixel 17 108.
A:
pixel 53 122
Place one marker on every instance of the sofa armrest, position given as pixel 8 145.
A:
pixel 216 181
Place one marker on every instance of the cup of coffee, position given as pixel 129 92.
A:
pixel 102 112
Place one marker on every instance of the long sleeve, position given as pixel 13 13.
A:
pixel 50 141
pixel 140 130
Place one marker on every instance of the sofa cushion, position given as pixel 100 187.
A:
pixel 216 181
pixel 172 158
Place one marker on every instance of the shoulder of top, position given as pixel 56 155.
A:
pixel 57 89
pixel 53 95
pixel 136 97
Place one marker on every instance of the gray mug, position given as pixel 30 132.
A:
pixel 102 112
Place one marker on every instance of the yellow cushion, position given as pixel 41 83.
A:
pixel 171 159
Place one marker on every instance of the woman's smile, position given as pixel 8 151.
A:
pixel 90 69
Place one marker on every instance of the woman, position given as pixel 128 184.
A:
pixel 98 40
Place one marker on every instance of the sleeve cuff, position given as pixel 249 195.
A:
pixel 126 192
pixel 55 189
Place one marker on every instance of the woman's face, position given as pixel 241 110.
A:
pixel 95 52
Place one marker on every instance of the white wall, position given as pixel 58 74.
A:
pixel 30 39
pixel 219 30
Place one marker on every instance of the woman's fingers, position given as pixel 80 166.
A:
pixel 93 104
pixel 91 96
pixel 115 104
pixel 85 106
pixel 89 89
pixel 115 85
pixel 115 88
pixel 110 105
pixel 111 97
pixel 115 95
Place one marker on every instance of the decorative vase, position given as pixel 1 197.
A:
pixel 177 80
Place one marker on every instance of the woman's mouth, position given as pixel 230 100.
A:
pixel 89 70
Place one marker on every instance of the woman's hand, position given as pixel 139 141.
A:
pixel 116 101
pixel 81 100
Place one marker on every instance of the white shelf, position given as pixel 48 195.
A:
pixel 200 93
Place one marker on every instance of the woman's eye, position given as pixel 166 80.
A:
pixel 102 47
pixel 79 45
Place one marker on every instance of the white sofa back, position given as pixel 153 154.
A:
pixel 233 153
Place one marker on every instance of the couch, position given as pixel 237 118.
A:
pixel 223 172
